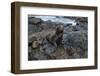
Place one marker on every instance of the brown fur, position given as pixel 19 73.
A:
pixel 56 38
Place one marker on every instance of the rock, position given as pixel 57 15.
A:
pixel 40 56
pixel 73 28
pixel 75 43
pixel 29 50
pixel 76 55
pixel 69 24
pixel 81 19
pixel 47 48
pixel 45 25
pixel 33 20
pixel 33 38
pixel 60 53
pixel 33 29
pixel 75 38
pixel 85 55
pixel 83 26
pixel 82 23
pixel 35 44
pixel 33 54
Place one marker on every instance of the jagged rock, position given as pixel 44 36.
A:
pixel 40 56
pixel 33 29
pixel 47 48
pixel 60 53
pixel 74 28
pixel 47 25
pixel 29 50
pixel 81 19
pixel 33 20
pixel 68 29
pixel 75 43
pixel 79 37
pixel 76 55
pixel 35 44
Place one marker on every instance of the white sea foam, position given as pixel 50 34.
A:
pixel 57 19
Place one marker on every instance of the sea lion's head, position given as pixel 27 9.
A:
pixel 59 29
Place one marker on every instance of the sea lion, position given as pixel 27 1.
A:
pixel 56 38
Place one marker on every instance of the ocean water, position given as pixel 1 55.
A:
pixel 59 19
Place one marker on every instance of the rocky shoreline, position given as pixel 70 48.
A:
pixel 74 41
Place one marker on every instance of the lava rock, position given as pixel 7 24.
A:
pixel 75 43
pixel 33 20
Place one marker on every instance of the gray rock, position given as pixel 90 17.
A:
pixel 40 56
pixel 78 38
pixel 76 55
pixel 35 44
pixel 47 48
pixel 60 53
pixel 33 20
pixel 33 29
pixel 75 43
